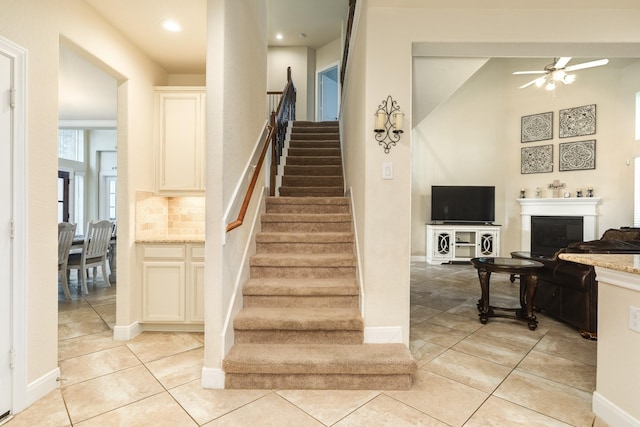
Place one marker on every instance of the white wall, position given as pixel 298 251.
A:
pixel 474 139
pixel 236 76
pixel 328 54
pixel 301 60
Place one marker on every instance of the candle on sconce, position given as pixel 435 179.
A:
pixel 398 121
pixel 381 118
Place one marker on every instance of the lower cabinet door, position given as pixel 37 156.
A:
pixel 163 291
pixel 197 291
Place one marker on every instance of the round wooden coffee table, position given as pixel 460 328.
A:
pixel 528 272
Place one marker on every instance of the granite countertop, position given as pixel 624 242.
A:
pixel 620 262
pixel 172 238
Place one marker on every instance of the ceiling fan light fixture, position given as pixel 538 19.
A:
pixel 541 81
pixel 569 78
pixel 550 86
pixel 558 75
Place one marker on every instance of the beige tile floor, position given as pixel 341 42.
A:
pixel 498 374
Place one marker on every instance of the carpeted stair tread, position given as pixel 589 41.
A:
pixel 314 218
pixel 298 319
pixel 351 359
pixel 303 260
pixel 314 160
pixel 312 170
pixel 314 152
pixel 311 237
pixel 301 287
pixel 312 181
pixel 308 123
pixel 307 201
pixel 311 191
pixel 324 136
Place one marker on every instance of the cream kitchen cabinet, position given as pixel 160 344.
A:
pixel 172 277
pixel 180 139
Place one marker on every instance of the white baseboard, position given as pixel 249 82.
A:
pixel 44 385
pixel 125 333
pixel 212 378
pixel 418 258
pixel 383 335
pixel 611 414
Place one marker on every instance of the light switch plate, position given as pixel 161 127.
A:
pixel 387 170
pixel 634 318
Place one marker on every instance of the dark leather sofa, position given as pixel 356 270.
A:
pixel 568 291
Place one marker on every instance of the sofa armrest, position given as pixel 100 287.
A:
pixel 604 247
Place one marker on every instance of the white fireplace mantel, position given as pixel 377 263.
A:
pixel 586 207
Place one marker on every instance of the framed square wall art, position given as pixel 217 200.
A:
pixel 536 159
pixel 579 155
pixel 578 121
pixel 537 127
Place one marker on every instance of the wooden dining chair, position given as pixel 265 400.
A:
pixel 66 231
pixel 94 253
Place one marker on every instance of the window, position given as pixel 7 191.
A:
pixel 78 211
pixel 111 183
pixel 71 144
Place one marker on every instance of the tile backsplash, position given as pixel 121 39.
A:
pixel 159 216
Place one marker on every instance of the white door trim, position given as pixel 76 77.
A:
pixel 318 72
pixel 19 272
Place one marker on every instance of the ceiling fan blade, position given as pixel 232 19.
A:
pixel 529 84
pixel 590 64
pixel 562 62
pixel 515 73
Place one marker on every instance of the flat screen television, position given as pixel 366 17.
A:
pixel 463 204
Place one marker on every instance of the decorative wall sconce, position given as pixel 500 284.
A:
pixel 388 123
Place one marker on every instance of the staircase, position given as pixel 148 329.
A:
pixel 301 327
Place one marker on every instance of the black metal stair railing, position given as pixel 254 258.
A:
pixel 280 119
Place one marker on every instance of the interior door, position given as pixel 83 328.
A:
pixel 328 94
pixel 6 390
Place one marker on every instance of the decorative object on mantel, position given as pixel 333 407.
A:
pixel 522 193
pixel 536 159
pixel 590 192
pixel 536 127
pixel 555 187
pixel 566 195
pixel 579 192
pixel 578 121
pixel 538 192
pixel 579 155
pixel 388 123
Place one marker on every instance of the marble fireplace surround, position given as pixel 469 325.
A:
pixel 586 207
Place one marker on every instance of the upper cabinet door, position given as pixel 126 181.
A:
pixel 180 141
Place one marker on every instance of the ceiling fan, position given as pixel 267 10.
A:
pixel 557 72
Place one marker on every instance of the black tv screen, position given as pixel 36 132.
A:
pixel 463 204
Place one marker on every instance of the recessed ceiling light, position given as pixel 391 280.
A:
pixel 279 36
pixel 172 26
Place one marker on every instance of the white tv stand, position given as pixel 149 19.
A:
pixel 460 242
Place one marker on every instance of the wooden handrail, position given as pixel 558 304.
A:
pixel 247 198
pixel 271 140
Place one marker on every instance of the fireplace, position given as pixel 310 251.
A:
pixel 550 233
pixel 583 207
